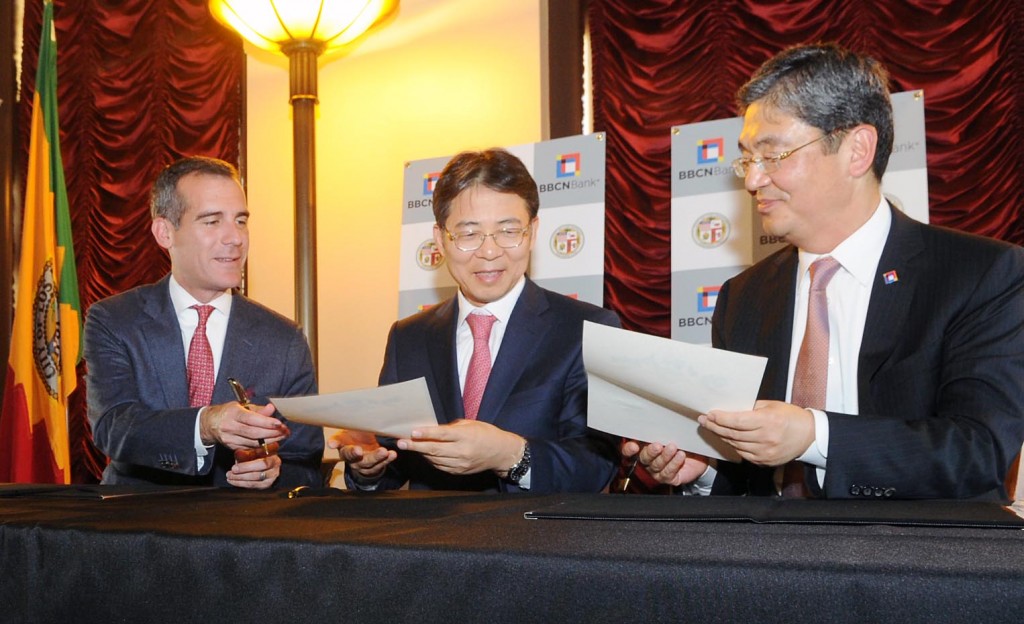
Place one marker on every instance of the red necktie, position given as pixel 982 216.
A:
pixel 479 364
pixel 810 379
pixel 200 362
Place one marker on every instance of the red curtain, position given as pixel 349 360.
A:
pixel 660 63
pixel 140 84
pixel 143 82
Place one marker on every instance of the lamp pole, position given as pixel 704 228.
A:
pixel 303 31
pixel 302 57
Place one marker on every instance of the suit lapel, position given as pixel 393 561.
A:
pixel 526 329
pixel 889 308
pixel 162 336
pixel 441 355
pixel 240 356
pixel 776 317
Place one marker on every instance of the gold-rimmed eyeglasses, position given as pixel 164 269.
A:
pixel 506 238
pixel 768 164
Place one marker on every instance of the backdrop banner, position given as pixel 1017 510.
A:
pixel 715 229
pixel 568 256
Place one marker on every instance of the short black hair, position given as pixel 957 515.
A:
pixel 828 87
pixel 165 200
pixel 495 168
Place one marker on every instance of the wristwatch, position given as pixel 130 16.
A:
pixel 519 470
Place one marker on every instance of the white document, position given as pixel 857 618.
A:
pixel 653 389
pixel 393 410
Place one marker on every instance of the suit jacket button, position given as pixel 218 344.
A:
pixel 854 490
pixel 889 492
pixel 878 492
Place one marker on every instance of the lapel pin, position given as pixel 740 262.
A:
pixel 890 277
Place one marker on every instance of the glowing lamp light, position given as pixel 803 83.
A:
pixel 302 30
pixel 277 25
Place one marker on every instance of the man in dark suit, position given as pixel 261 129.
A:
pixel 925 326
pixel 529 431
pixel 137 344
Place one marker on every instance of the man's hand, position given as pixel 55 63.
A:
pixel 466 447
pixel 361 452
pixel 236 427
pixel 666 463
pixel 258 474
pixel 771 434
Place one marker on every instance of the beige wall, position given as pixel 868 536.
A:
pixel 443 76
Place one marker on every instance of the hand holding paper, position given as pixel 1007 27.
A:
pixel 393 410
pixel 653 389
pixel 362 453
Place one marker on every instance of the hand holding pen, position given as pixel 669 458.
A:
pixel 240 426
pixel 264 449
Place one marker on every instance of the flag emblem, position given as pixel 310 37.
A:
pixel 429 256
pixel 711 230
pixel 566 241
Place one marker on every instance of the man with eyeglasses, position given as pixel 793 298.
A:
pixel 502 359
pixel 900 374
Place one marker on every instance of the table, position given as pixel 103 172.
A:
pixel 238 556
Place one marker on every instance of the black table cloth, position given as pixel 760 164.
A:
pixel 66 554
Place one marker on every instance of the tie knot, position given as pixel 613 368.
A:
pixel 204 313
pixel 480 325
pixel 822 271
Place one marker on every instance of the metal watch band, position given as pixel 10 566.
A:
pixel 518 471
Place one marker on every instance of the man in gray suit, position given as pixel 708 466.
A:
pixel 137 344
pixel 921 383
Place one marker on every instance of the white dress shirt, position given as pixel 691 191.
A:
pixel 849 294
pixel 502 311
pixel 216 331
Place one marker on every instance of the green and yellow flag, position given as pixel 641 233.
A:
pixel 47 335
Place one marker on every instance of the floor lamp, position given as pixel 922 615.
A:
pixel 302 30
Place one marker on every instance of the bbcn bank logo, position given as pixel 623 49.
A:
pixel 707 297
pixel 568 172
pixel 429 183
pixel 710 160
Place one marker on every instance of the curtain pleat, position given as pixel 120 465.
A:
pixel 660 63
pixel 140 84
pixel 143 82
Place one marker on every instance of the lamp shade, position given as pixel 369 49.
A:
pixel 277 24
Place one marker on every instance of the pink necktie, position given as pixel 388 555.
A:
pixel 479 364
pixel 200 362
pixel 810 379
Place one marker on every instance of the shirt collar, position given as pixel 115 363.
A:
pixel 182 300
pixel 501 308
pixel 860 252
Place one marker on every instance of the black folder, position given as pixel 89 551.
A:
pixel 775 510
